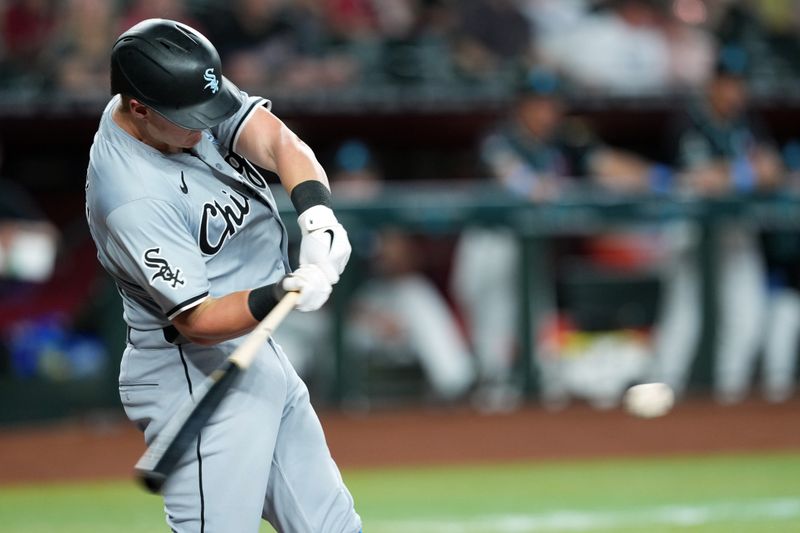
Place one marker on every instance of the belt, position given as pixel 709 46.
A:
pixel 165 337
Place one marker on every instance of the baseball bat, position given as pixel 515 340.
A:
pixel 160 458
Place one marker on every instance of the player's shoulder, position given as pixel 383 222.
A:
pixel 110 186
pixel 228 131
pixel 114 180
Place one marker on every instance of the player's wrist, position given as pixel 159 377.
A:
pixel 261 300
pixel 308 194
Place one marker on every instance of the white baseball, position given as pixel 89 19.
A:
pixel 649 400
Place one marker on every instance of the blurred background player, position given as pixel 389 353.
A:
pixel 719 150
pixel 399 314
pixel 398 317
pixel 28 241
pixel 540 154
pixel 782 323
pixel 29 245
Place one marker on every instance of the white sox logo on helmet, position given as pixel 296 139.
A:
pixel 211 78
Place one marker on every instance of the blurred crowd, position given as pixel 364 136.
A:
pixel 619 46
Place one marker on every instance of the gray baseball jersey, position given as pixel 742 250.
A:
pixel 172 230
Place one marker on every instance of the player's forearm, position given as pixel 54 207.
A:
pixel 295 161
pixel 217 319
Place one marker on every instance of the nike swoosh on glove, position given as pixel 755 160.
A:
pixel 324 241
pixel 312 284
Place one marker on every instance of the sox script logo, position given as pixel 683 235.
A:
pixel 211 78
pixel 162 267
pixel 232 215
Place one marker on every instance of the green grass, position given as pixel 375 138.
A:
pixel 731 494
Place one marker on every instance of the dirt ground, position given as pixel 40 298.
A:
pixel 108 447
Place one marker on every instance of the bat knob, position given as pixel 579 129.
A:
pixel 152 481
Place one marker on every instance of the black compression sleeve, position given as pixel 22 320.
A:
pixel 263 299
pixel 308 194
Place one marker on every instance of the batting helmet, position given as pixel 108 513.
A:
pixel 174 70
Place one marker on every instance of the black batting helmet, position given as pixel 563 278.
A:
pixel 174 70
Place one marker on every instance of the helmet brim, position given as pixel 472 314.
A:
pixel 206 114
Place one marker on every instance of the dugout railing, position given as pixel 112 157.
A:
pixel 448 208
pixel 444 210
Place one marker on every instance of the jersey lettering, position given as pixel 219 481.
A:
pixel 246 169
pixel 232 215
pixel 163 269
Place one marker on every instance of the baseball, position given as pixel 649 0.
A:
pixel 649 400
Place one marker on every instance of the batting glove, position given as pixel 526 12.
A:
pixel 324 241
pixel 312 284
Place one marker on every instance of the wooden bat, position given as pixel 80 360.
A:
pixel 179 433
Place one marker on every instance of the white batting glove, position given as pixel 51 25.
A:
pixel 312 284
pixel 324 242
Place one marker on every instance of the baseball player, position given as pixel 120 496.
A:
pixel 191 235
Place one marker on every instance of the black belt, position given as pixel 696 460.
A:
pixel 169 336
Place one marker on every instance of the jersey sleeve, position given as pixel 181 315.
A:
pixel 151 243
pixel 506 165
pixel 228 131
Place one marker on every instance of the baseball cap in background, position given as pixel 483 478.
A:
pixel 353 156
pixel 540 82
pixel 174 70
pixel 732 61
